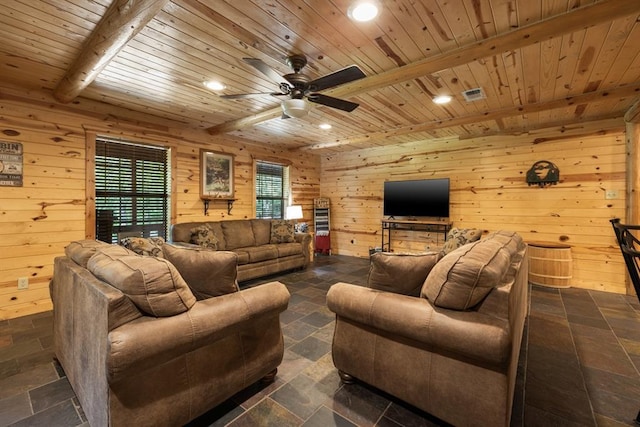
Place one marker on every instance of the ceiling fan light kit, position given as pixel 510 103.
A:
pixel 300 89
pixel 295 108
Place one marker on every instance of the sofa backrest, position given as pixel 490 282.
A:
pixel 183 232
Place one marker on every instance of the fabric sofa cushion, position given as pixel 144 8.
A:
pixel 208 273
pixel 238 234
pixel 204 236
pixel 400 273
pixel 151 246
pixel 458 237
pixel 153 284
pixel 282 231
pixel 81 250
pixel 465 276
pixel 261 231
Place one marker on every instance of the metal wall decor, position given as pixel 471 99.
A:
pixel 543 173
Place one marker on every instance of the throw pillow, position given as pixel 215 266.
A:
pixel 143 246
pixel 465 276
pixel 153 284
pixel 458 237
pixel 282 231
pixel 400 273
pixel 208 273
pixel 204 236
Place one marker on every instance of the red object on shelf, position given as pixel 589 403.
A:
pixel 323 244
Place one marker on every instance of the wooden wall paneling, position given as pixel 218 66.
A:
pixel 489 191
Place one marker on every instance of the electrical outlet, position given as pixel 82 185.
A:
pixel 23 283
pixel 611 194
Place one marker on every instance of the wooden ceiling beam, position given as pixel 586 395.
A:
pixel 577 19
pixel 633 114
pixel 620 92
pixel 122 21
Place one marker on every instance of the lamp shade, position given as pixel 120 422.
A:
pixel 295 107
pixel 294 212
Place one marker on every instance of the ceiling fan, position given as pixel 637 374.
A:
pixel 300 88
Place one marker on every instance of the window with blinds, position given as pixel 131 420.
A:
pixel 132 190
pixel 272 190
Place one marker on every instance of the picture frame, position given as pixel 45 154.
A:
pixel 216 175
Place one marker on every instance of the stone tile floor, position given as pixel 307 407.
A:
pixel 579 366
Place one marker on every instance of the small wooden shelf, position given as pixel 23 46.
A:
pixel 206 202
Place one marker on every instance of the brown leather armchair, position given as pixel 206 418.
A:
pixel 441 334
pixel 129 366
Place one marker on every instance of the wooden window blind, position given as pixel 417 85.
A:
pixel 272 190
pixel 132 190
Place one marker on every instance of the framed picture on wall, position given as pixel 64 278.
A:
pixel 216 175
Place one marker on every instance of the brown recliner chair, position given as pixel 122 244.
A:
pixel 441 334
pixel 140 349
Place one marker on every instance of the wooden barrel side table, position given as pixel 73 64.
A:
pixel 550 264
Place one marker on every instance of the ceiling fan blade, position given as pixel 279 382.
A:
pixel 259 65
pixel 332 102
pixel 339 77
pixel 251 95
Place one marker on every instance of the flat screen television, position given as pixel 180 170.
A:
pixel 417 198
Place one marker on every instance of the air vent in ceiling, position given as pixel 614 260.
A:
pixel 473 94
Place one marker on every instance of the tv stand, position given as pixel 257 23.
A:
pixel 391 224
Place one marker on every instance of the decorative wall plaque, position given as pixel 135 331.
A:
pixel 543 173
pixel 10 164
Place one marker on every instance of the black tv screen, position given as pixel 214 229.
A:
pixel 417 198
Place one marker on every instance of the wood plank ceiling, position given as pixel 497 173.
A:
pixel 540 63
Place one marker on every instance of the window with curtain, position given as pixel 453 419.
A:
pixel 132 186
pixel 272 190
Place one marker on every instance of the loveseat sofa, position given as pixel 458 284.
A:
pixel 263 246
pixel 140 348
pixel 442 334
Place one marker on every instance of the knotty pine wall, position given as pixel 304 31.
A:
pixel 488 191
pixel 39 219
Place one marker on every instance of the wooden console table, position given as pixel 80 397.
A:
pixel 389 225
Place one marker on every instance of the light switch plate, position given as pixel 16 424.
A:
pixel 611 194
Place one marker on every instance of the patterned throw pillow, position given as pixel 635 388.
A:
pixel 282 231
pixel 205 237
pixel 143 246
pixel 459 237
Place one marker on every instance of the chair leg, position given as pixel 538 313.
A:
pixel 270 377
pixel 346 378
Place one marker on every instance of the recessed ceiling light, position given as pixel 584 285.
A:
pixel 363 11
pixel 213 85
pixel 442 99
pixel 325 126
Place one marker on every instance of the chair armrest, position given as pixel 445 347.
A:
pixel 468 334
pixel 305 240
pixel 150 341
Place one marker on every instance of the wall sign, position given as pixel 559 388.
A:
pixel 10 164
pixel 543 173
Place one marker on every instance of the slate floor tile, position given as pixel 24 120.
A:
pixel 63 414
pixel 270 410
pixel 312 348
pixel 325 417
